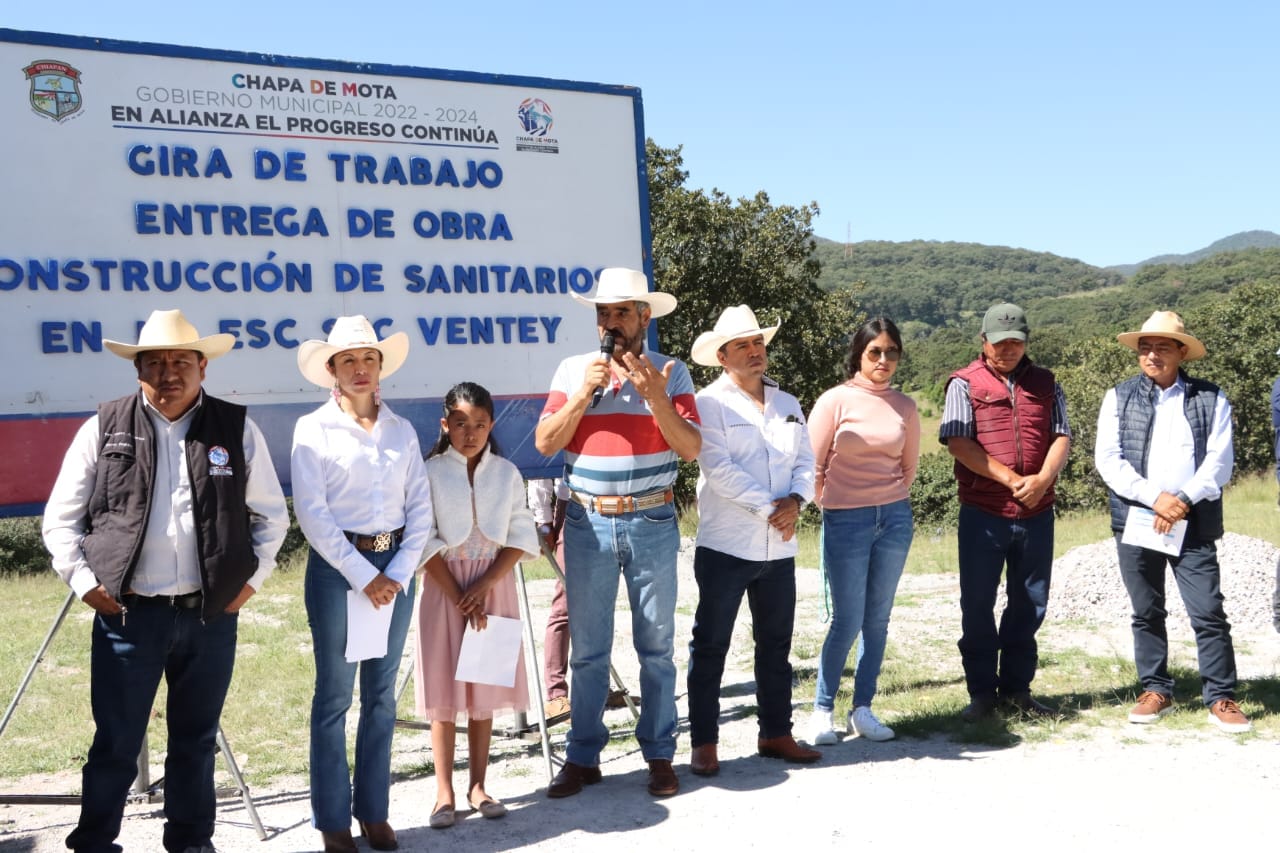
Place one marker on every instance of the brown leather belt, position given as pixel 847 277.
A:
pixel 375 542
pixel 622 504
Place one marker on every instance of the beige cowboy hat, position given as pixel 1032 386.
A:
pixel 354 332
pixel 618 284
pixel 735 322
pixel 1164 324
pixel 171 330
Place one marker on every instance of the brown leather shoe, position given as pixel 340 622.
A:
pixel 704 762
pixel 787 749
pixel 571 778
pixel 663 781
pixel 379 835
pixel 339 842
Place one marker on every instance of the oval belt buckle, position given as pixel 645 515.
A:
pixel 382 541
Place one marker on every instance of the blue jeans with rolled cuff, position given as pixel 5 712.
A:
pixel 336 792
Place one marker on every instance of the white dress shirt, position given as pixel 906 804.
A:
pixel 749 459
pixel 541 492
pixel 169 561
pixel 347 480
pixel 1171 465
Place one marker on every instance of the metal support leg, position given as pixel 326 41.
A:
pixel 241 785
pixel 532 658
pixel 31 670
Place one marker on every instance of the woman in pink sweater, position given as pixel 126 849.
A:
pixel 866 440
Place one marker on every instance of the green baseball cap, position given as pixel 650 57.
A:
pixel 1005 321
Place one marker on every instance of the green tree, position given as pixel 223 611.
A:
pixel 1240 333
pixel 712 252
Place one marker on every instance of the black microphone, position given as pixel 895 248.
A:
pixel 606 350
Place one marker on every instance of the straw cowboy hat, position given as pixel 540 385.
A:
pixel 170 330
pixel 350 333
pixel 735 322
pixel 618 284
pixel 1164 324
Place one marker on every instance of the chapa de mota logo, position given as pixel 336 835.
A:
pixel 535 116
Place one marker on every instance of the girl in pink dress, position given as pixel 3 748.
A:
pixel 483 528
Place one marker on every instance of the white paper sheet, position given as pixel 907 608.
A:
pixel 1139 530
pixel 490 656
pixel 367 627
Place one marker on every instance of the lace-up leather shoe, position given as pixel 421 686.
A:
pixel 571 778
pixel 1226 715
pixel 1151 707
pixel 787 749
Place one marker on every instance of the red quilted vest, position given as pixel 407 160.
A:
pixel 1015 429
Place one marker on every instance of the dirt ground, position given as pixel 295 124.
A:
pixel 1104 786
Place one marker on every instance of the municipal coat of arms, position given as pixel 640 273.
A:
pixel 55 88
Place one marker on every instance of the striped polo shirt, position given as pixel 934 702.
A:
pixel 618 448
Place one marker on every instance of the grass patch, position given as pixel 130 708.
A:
pixel 1249 507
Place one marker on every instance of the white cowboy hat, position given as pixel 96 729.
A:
pixel 618 284
pixel 735 322
pixel 350 333
pixel 1164 324
pixel 170 330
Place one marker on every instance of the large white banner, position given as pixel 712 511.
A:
pixel 265 196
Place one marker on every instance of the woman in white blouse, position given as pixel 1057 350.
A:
pixel 361 496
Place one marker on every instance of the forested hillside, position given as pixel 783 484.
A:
pixel 941 283
pixel 1234 243
pixel 937 293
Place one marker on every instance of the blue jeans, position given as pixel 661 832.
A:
pixel 1002 661
pixel 1199 581
pixel 128 657
pixel 642 546
pixel 864 551
pixel 770 587
pixel 332 800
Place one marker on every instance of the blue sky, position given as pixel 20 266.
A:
pixel 1104 131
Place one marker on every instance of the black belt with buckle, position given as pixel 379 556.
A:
pixel 377 542
pixel 187 601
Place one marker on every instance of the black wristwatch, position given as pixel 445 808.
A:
pixel 799 501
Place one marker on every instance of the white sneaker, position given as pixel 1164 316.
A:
pixel 821 729
pixel 863 723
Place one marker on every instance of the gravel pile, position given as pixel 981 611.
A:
pixel 1087 585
